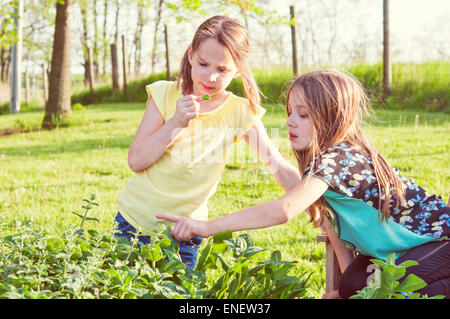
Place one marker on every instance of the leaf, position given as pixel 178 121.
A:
pixel 408 263
pixel 250 252
pixel 390 260
pixel 153 254
pixel 225 266
pixel 221 236
pixel 393 272
pixel 378 262
pixel 11 295
pixel 411 283
pixel 231 243
pixel 248 240
pixel 79 215
pixel 275 257
pixel 204 255
pixel 219 248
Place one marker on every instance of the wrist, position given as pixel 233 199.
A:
pixel 211 227
pixel 174 127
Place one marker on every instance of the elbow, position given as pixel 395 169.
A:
pixel 285 211
pixel 134 164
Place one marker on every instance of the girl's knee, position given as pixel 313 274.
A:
pixel 349 286
pixel 440 287
pixel 355 277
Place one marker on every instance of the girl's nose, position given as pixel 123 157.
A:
pixel 289 121
pixel 213 76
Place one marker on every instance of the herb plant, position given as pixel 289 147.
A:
pixel 89 264
pixel 385 284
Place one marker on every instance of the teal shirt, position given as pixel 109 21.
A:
pixel 358 226
pixel 354 200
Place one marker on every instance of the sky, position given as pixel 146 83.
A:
pixel 419 29
pixel 412 23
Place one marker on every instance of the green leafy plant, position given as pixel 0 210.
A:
pixel 87 207
pixel 88 264
pixel 385 284
pixel 247 276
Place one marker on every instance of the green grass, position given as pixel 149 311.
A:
pixel 422 86
pixel 414 86
pixel 45 174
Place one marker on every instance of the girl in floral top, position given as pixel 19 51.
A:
pixel 349 190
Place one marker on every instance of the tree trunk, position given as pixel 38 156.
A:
pixel 138 39
pixel 124 64
pixel 158 19
pixel 115 67
pixel 58 103
pixel 27 87
pixel 105 41
pixel 3 62
pixel 294 40
pixel 91 73
pixel 45 82
pixel 94 55
pixel 166 41
pixel 387 66
pixel 84 41
pixel 16 54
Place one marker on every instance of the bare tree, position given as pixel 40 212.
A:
pixel 142 19
pixel 104 40
pixel 58 103
pixel 157 22
pixel 94 56
pixel 85 40
pixel 387 66
pixel 294 40
pixel 17 60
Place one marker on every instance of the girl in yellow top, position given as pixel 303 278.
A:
pixel 180 148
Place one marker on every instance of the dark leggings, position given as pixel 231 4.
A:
pixel 433 268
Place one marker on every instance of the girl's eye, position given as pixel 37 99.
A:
pixel 303 116
pixel 223 70
pixel 202 64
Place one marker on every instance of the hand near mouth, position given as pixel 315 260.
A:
pixel 188 108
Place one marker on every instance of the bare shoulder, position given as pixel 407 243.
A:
pixel 151 121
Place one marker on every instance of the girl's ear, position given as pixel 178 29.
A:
pixel 189 49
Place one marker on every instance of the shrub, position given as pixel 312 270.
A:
pixel 385 284
pixel 89 264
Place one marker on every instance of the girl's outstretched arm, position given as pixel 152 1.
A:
pixel 264 215
pixel 284 172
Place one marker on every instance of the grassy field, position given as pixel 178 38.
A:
pixel 45 175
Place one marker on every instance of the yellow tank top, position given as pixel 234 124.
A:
pixel 187 174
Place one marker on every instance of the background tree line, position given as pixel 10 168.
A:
pixel 328 33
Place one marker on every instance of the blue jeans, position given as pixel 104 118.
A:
pixel 188 249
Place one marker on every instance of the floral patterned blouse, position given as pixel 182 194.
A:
pixel 354 198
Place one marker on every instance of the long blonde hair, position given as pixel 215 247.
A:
pixel 232 35
pixel 336 103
